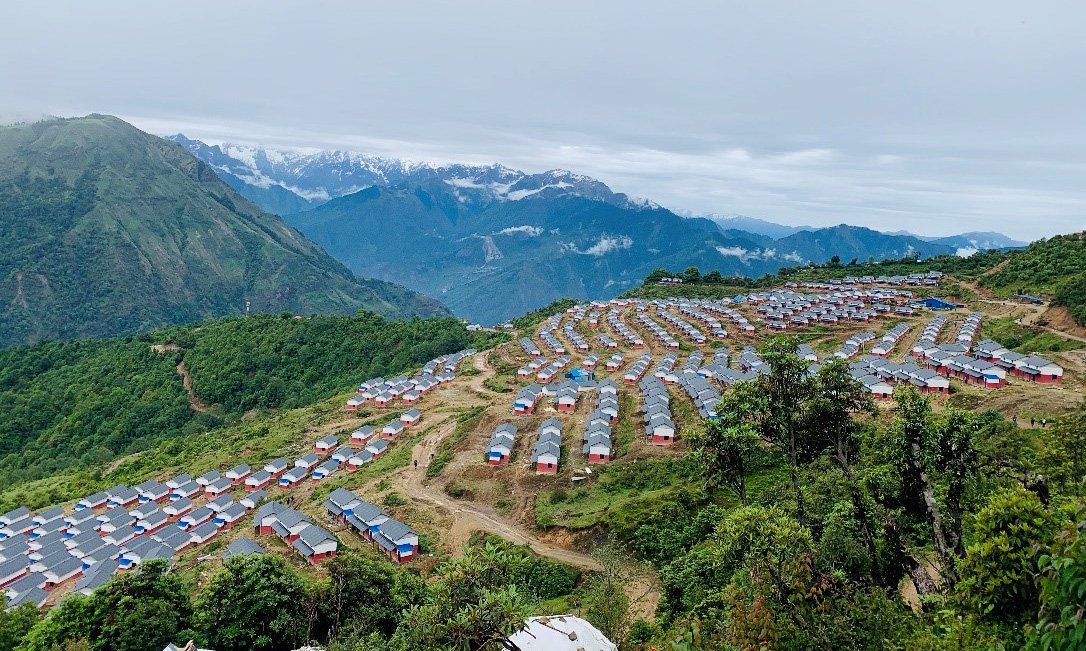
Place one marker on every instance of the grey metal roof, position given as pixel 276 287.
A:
pixel 242 546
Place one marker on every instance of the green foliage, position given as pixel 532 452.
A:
pixel 997 572
pixel 1063 454
pixel 255 602
pixel 535 317
pixel 15 623
pixel 81 404
pixel 366 596
pixel 106 230
pixel 1062 581
pixel 140 610
pixel 1026 339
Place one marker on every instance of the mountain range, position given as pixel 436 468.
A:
pixel 105 230
pixel 492 242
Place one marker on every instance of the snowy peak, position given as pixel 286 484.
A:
pixel 317 176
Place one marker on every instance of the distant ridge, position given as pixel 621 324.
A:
pixel 108 230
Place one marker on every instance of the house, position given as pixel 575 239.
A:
pixel 145 550
pixel 13 569
pixel 308 462
pixel 356 401
pixel 242 547
pixel 276 467
pixel 567 400
pixel 398 540
pixel 326 444
pixel 152 491
pixel 362 434
pixel 203 534
pixel 218 487
pixel 152 522
pixel 392 429
pixel 410 417
pixel 209 477
pixel 661 431
pixel 378 447
pixel 196 517
pixel 358 460
pixel 122 496
pixel 238 473
pixel 188 489
pixel 366 518
pixel 174 510
pixel 96 576
pixel 500 446
pixel 292 477
pixel 597 446
pixel 411 397
pixel 257 480
pixel 1038 369
pixel 179 480
pixel 326 469
pixel 315 544
pixel 547 453
pixel 254 499
pixel 228 517
pixel 219 503
pixel 95 501
pixel 340 503
pixel 341 454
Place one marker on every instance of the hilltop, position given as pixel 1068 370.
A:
pixel 105 230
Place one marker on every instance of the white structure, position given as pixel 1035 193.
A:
pixel 561 633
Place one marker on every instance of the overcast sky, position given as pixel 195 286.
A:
pixel 936 117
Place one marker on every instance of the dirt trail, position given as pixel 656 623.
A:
pixel 186 378
pixel 469 517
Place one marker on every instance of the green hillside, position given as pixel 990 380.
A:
pixel 1055 267
pixel 83 403
pixel 107 230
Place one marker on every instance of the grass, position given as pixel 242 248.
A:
pixel 467 420
pixel 497 385
pixel 1024 338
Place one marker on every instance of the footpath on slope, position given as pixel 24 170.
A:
pixel 186 378
pixel 468 517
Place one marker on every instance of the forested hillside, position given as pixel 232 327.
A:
pixel 84 403
pixel 107 230
pixel 1055 267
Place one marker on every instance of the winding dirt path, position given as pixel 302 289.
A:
pixel 469 517
pixel 186 378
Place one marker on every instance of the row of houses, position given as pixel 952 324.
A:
pixel 530 347
pixel 889 340
pixel 397 540
pixel 552 370
pixel 854 345
pixel 658 331
pixel 930 334
pixel 656 412
pixel 723 309
pixel 967 331
pixel 546 333
pixel 614 362
pixel 575 338
pixel 694 311
pixel 526 399
pixel 1028 367
pixel 547 450
pixel 665 370
pixel 703 394
pixel 295 528
pixel 684 327
pixel 886 374
pixel 614 319
pixel 532 367
pixel 499 448
pixel 637 369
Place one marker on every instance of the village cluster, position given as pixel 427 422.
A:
pixel 117 529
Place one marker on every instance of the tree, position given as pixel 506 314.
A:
pixel 786 387
pixel 15 623
pixel 254 603
pixel 713 277
pixel 476 604
pixel 1063 454
pixel 913 428
pixel 998 568
pixel 371 595
pixel 692 275
pixel 607 602
pixel 1062 582
pixel 728 446
pixel 656 276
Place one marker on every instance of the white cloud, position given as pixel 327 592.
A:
pixel 530 231
pixel 746 255
pixel 605 245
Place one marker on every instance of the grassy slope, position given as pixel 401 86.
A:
pixel 106 230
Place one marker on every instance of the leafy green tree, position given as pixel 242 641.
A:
pixel 713 277
pixel 15 623
pixel 607 599
pixel 998 568
pixel 475 604
pixel 692 275
pixel 728 447
pixel 368 594
pixel 656 276
pixel 256 602
pixel 1063 454
pixel 787 388
pixel 1062 582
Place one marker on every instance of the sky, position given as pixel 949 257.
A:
pixel 933 117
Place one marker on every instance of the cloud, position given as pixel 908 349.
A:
pixel 746 255
pixel 530 231
pixel 605 245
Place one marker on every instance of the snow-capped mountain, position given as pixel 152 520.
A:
pixel 289 181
